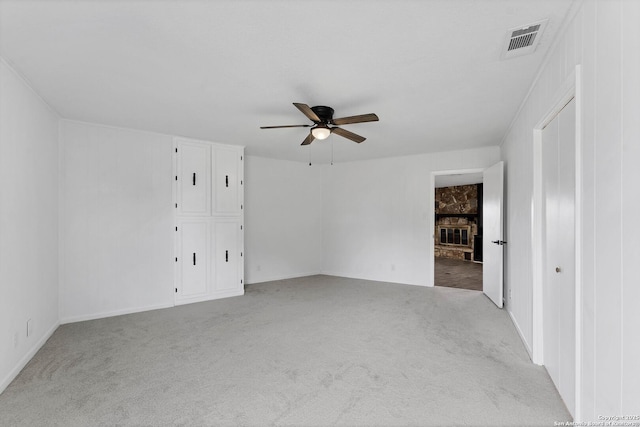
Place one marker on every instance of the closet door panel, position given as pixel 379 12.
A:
pixel 193 259
pixel 194 178
pixel 227 181
pixel 228 255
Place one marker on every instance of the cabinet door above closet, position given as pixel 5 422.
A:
pixel 194 178
pixel 228 180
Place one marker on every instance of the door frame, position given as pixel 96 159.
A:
pixel 570 89
pixel 431 223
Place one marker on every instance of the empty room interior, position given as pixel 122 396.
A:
pixel 319 213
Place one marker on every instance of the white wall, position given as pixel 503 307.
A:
pixel 117 221
pixel 604 38
pixel 627 93
pixel 28 223
pixel 283 219
pixel 378 214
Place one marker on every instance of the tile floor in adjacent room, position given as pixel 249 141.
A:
pixel 456 273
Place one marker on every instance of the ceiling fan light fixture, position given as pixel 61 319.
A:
pixel 321 131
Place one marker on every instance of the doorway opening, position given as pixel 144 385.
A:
pixel 458 218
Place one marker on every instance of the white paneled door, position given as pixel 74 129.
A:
pixel 558 289
pixel 193 275
pixel 193 176
pixel 227 181
pixel 227 254
pixel 208 188
pixel 492 240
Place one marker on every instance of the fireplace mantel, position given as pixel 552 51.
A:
pixel 469 216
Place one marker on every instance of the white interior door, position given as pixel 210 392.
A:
pixel 558 289
pixel 549 150
pixel 492 241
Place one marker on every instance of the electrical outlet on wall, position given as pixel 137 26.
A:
pixel 509 294
pixel 29 327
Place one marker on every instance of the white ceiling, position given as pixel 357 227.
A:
pixel 218 70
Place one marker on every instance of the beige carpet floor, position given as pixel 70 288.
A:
pixel 313 351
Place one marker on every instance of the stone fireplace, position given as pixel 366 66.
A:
pixel 457 222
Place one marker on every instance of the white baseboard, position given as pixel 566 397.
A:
pixel 524 341
pixel 281 277
pixel 27 357
pixel 83 317
pixel 371 278
pixel 215 296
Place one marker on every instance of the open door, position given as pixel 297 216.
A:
pixel 492 242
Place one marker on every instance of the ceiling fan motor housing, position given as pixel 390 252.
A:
pixel 324 113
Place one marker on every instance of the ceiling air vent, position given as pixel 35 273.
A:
pixel 523 40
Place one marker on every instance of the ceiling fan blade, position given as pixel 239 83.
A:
pixel 285 126
pixel 356 119
pixel 349 135
pixel 307 111
pixel 309 139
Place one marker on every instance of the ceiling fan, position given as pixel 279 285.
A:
pixel 322 117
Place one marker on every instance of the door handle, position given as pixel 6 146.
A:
pixel 226 256
pixel 499 242
pixel 558 269
pixel 194 178
pixel 226 180
pixel 194 258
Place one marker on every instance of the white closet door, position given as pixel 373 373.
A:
pixel 550 259
pixel 194 178
pixel 567 252
pixel 193 260
pixel 558 168
pixel 227 181
pixel 228 255
pixel 208 195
